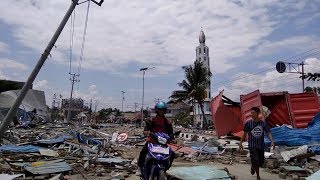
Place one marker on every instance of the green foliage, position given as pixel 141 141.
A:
pixel 311 76
pixel 183 119
pixel 308 89
pixel 197 79
pixel 104 113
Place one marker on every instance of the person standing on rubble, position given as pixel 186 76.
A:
pixel 158 124
pixel 256 129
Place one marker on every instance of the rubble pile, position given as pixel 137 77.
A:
pixel 110 151
pixel 57 152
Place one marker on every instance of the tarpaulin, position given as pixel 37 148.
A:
pixel 84 139
pixel 57 140
pixel 284 135
pixel 18 149
pixel 315 149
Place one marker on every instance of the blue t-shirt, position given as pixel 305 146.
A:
pixel 256 132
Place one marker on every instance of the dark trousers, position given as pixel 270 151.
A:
pixel 143 155
pixel 257 157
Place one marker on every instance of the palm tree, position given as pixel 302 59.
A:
pixel 194 86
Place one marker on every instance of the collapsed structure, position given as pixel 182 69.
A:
pixel 279 108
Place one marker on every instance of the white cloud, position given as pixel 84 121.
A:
pixel 157 32
pixel 3 47
pixel 10 69
pixel 41 85
pixel 312 65
pixel 11 64
pixel 298 43
pixel 271 81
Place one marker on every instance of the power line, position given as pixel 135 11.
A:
pixel 84 38
pixel 72 22
pixel 258 83
pixel 295 58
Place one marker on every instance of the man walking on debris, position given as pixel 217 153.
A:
pixel 158 124
pixel 256 128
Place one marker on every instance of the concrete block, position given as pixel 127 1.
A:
pixel 282 176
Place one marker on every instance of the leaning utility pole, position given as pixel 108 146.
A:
pixel 37 68
pixel 73 80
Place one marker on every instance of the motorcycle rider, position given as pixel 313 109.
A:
pixel 158 124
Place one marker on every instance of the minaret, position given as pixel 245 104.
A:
pixel 202 54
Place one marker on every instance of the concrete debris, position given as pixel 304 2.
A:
pixel 9 176
pixel 110 151
pixel 287 155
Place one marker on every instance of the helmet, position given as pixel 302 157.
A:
pixel 161 105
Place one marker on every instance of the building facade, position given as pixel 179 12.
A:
pixel 202 54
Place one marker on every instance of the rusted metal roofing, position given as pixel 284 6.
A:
pixel 303 107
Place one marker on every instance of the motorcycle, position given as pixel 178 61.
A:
pixel 157 161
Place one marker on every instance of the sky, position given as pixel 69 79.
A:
pixel 246 39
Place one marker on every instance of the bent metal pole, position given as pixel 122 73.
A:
pixel 36 70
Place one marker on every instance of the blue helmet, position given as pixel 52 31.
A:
pixel 161 105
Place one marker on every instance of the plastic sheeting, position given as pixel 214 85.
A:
pixel 19 149
pixel 84 139
pixel 284 135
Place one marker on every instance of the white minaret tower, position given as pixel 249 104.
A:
pixel 202 54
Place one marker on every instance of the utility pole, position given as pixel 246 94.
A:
pixel 38 66
pixel 73 79
pixel 302 69
pixel 143 73
pixel 281 67
pixel 135 107
pixel 122 100
pixel 96 105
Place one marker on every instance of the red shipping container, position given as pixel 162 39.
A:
pixel 293 109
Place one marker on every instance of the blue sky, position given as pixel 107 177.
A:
pixel 122 36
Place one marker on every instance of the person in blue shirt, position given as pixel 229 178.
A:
pixel 256 129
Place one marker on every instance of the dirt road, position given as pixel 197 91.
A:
pixel 241 171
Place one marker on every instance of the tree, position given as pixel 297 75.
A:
pixel 183 119
pixel 194 86
pixel 311 76
pixel 308 89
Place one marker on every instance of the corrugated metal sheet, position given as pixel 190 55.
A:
pixel 48 167
pixel 225 118
pixel 247 102
pixel 303 108
pixel 279 112
pixel 19 149
pixel 34 99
